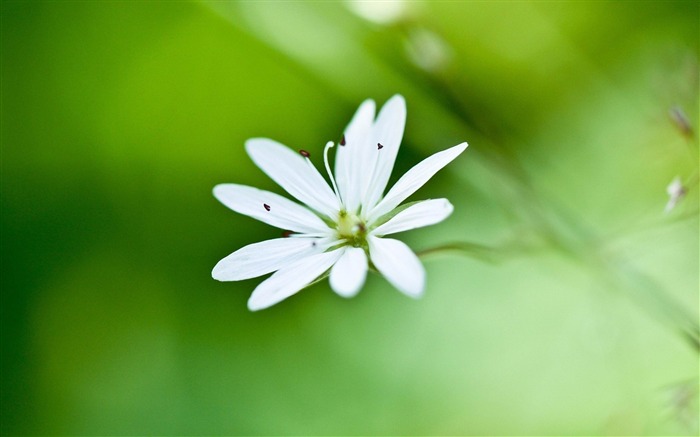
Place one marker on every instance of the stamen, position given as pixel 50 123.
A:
pixel 266 206
pixel 369 180
pixel 342 140
pixel 304 153
pixel 329 145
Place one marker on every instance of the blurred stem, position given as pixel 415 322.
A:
pixel 473 250
pixel 492 255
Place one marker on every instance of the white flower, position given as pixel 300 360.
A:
pixel 342 227
pixel 675 191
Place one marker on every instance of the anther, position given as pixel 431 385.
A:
pixel 286 234
pixel 329 145
pixel 313 244
pixel 266 206
pixel 379 146
pixel 342 140
pixel 304 153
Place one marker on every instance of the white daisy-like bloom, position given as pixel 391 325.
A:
pixel 341 228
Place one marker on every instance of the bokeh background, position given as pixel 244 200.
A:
pixel 571 308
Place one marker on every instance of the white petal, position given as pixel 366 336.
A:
pixel 414 179
pixel 348 158
pixel 387 131
pixel 265 257
pixel 290 279
pixel 349 273
pixel 425 213
pixel 399 265
pixel 293 173
pixel 283 213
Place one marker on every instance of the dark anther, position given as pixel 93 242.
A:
pixel 286 234
pixel 267 207
pixel 379 146
pixel 304 153
pixel 342 140
pixel 313 244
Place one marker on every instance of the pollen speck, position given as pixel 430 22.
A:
pixel 304 153
pixel 266 206
pixel 342 140
pixel 379 146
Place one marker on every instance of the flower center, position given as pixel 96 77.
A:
pixel 351 228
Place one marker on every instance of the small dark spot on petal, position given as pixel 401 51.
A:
pixel 313 244
pixel 286 234
pixel 342 140
pixel 304 153
pixel 266 206
pixel 379 146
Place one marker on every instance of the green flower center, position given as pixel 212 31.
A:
pixel 352 229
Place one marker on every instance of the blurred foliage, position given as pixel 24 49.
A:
pixel 575 311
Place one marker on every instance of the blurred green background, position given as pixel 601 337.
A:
pixel 576 314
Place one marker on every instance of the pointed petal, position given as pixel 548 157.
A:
pixel 349 273
pixel 348 162
pixel 290 279
pixel 283 213
pixel 293 173
pixel 398 264
pixel 426 213
pixel 265 257
pixel 414 179
pixel 387 132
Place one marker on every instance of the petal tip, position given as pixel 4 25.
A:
pixel 256 145
pixel 418 295
pixel 215 275
pixel 343 290
pixel 396 103
pixel 218 190
pixel 417 291
pixel 397 97
pixel 218 273
pixel 370 103
pixel 255 304
pixel 462 147
pixel 448 206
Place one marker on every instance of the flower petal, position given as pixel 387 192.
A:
pixel 425 213
pixel 293 173
pixel 348 158
pixel 414 179
pixel 385 142
pixel 280 211
pixel 265 257
pixel 349 273
pixel 399 265
pixel 291 279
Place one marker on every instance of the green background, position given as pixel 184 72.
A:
pixel 577 313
